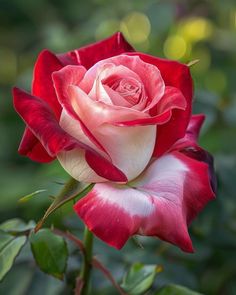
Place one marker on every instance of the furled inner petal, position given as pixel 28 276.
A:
pixel 129 88
pixel 119 76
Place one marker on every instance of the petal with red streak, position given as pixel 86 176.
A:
pixel 63 79
pixel 31 147
pixel 161 202
pixel 42 87
pixel 42 122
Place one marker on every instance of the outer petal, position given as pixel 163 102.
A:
pixel 88 55
pixel 161 202
pixel 41 121
pixel 189 147
pixel 42 87
pixel 31 147
pixel 192 133
pixel 177 75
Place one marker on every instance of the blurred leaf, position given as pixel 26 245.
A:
pixel 176 290
pixel 30 196
pixel 16 225
pixel 50 252
pixel 9 249
pixel 25 279
pixel 139 278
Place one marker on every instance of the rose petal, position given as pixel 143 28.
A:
pixel 42 87
pixel 148 73
pixel 74 161
pixel 192 133
pixel 96 113
pixel 63 79
pixel 98 76
pixel 176 75
pixel 42 122
pixel 171 100
pixel 31 147
pixel 91 54
pixel 188 146
pixel 129 145
pixel 130 148
pixel 161 202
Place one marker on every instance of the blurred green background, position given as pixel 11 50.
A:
pixel 181 30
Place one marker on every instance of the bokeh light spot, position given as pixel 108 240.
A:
pixel 136 27
pixel 175 47
pixel 195 29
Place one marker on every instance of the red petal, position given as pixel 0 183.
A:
pixel 91 54
pixel 192 133
pixel 161 202
pixel 188 146
pixel 42 122
pixel 42 87
pixel 31 147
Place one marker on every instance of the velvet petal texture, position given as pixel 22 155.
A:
pixel 42 122
pixel 160 202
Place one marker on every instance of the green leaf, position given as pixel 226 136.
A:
pixel 68 193
pixel 9 249
pixel 176 290
pixel 139 278
pixel 50 252
pixel 16 225
pixel 30 196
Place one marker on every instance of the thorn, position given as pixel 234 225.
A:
pixel 193 62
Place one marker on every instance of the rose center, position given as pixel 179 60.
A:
pixel 129 88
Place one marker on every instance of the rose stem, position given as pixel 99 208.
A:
pixel 87 261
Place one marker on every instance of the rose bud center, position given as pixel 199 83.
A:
pixel 129 88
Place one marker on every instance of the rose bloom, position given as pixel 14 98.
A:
pixel 121 119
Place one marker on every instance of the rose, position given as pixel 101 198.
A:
pixel 111 116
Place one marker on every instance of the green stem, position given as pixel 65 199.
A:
pixel 87 261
